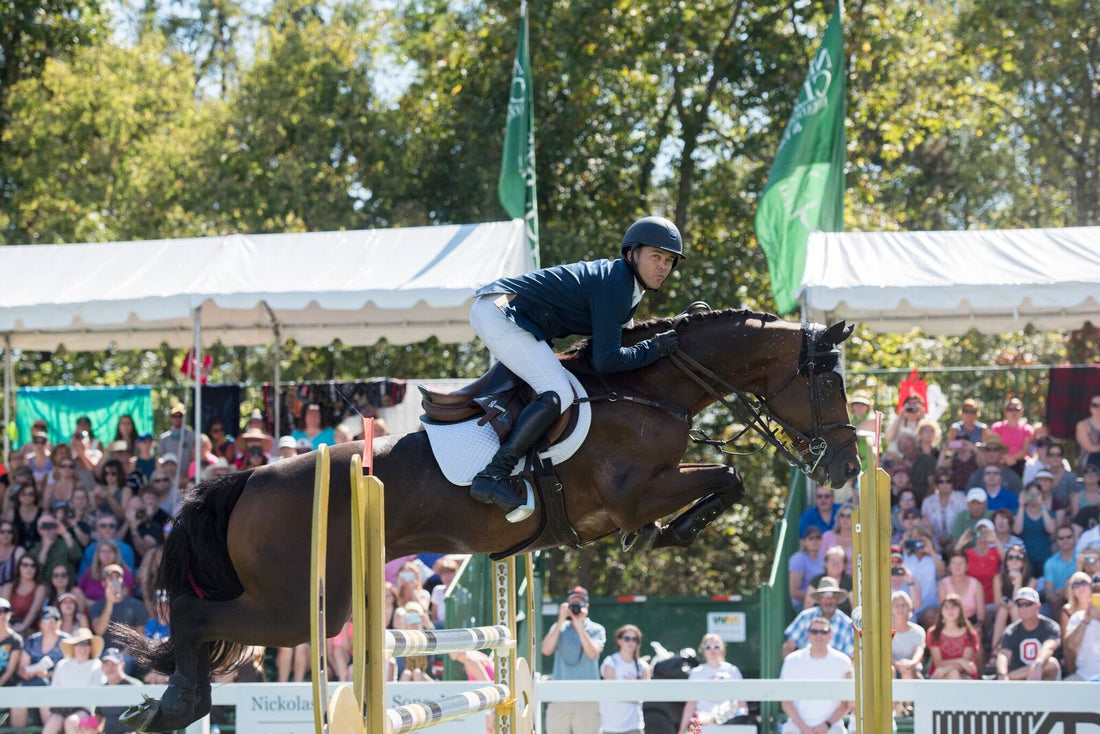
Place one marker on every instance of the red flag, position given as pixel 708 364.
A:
pixel 187 367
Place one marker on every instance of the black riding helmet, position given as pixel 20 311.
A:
pixel 656 232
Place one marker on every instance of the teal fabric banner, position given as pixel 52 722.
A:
pixel 61 406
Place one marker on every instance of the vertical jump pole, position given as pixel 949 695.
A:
pixel 371 636
pixel 318 560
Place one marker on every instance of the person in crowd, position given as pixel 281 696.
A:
pixel 79 667
pixel 11 646
pixel 86 448
pixel 960 461
pixel 1040 454
pixel 816 661
pixel 617 717
pixel 1082 639
pixel 1087 496
pixel 1058 568
pixel 1017 435
pixel 921 462
pixel 1002 536
pixel 926 568
pixel 312 428
pixel 64 479
pixel 1015 574
pixel 912 521
pixel 1035 525
pixel 1064 481
pixel 953 643
pixel 115 606
pixel 114 674
pixel 1078 596
pixel 1087 539
pixel 106 529
pixel 991 453
pixel 222 444
pixel 162 480
pixel 144 460
pixel 998 496
pixel 178 440
pixel 42 651
pixel 840 534
pixel 26 596
pixel 901 579
pixel 906 420
pixel 26 513
pixel 907 645
pixel 964 524
pixel 822 513
pixel 120 451
pixel 714 667
pixel 1051 502
pixel 57 545
pixel 253 457
pixel 145 521
pixel 965 587
pixel 417 667
pixel 39 461
pixel 828 595
pixel 1087 433
pixel 804 564
pixel 112 495
pixel 907 504
pixel 60 580
pixel 836 563
pixel 287 448
pixel 126 431
pixel 10 552
pixel 207 459
pixel 106 556
pixel 968 426
pixel 575 642
pixel 1088 560
pixel 1027 648
pixel 409 582
pixel 82 520
pixel 984 563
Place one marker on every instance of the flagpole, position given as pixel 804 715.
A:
pixel 517 185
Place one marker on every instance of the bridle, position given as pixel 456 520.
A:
pixel 754 412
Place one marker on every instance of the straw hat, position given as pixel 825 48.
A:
pixel 827 585
pixel 256 434
pixel 82 635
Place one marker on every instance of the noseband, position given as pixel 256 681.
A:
pixel 754 412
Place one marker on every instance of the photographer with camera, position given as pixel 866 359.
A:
pixel 576 642
pixel 56 545
pixel 901 579
pixel 145 521
pixel 117 605
pixel 926 567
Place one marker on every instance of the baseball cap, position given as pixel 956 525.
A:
pixel 178 409
pixel 111 569
pixel 1043 474
pixel 811 530
pixel 976 494
pixel 169 457
pixel 579 593
pixel 895 550
pixel 287 442
pixel 4 603
pixel 51 613
pixel 1027 594
pixel 113 654
pixel 984 523
pixel 145 437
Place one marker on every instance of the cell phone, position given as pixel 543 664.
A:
pixel 912 545
pixel 412 617
pixel 955 444
pixel 897 571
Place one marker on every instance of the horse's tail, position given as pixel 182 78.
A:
pixel 195 561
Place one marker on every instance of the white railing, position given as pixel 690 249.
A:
pixel 933 700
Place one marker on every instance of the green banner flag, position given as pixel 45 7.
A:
pixel 517 166
pixel 805 189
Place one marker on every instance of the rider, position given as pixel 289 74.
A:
pixel 517 317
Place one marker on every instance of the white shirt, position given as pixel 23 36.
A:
pixel 1089 537
pixel 1088 654
pixel 800 665
pixel 724 671
pixel 618 716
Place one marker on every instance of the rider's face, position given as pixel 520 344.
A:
pixel 652 264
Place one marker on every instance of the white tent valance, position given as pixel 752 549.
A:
pixel 949 282
pixel 404 285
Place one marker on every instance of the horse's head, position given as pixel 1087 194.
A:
pixel 811 406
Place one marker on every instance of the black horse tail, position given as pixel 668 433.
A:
pixel 195 561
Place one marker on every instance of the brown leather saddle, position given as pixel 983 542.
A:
pixel 496 398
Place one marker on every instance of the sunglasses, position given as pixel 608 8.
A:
pixel 27 565
pixel 969 410
pixel 1079 583
pixel 944 481
pixel 65 466
pixel 712 647
pixel 629 638
pixel 1014 558
pixel 40 441
pixel 1013 408
pixel 160 480
pixel 5 610
pixel 819 632
pixel 1023 603
pixel 6 531
pixel 60 574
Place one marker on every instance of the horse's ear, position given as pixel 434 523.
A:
pixel 837 333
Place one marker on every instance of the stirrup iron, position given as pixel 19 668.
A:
pixel 525 510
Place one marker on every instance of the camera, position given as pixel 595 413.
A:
pixel 412 617
pixel 65 507
pixel 256 450
pixel 575 607
pixel 897 571
pixel 140 515
pixel 912 409
pixel 912 545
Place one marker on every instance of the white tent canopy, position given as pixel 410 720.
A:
pixel 949 282
pixel 403 285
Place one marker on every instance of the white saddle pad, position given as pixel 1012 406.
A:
pixel 463 449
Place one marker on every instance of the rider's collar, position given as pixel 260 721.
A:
pixel 636 298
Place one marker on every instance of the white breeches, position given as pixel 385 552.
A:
pixel 518 350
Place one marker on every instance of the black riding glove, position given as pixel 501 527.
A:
pixel 666 341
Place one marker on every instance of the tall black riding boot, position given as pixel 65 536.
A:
pixel 493 484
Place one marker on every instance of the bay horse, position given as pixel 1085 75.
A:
pixel 236 563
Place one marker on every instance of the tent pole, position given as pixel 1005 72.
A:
pixel 277 331
pixel 198 393
pixel 7 397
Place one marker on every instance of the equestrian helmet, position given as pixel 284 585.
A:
pixel 656 232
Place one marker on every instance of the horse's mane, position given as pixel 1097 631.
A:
pixel 576 356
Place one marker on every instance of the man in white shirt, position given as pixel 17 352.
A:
pixel 816 661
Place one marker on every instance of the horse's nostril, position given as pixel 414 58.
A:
pixel 851 469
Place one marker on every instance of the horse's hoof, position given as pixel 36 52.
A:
pixel 144 716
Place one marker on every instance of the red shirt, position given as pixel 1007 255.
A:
pixel 984 568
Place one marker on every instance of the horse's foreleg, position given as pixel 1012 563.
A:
pixel 715 488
